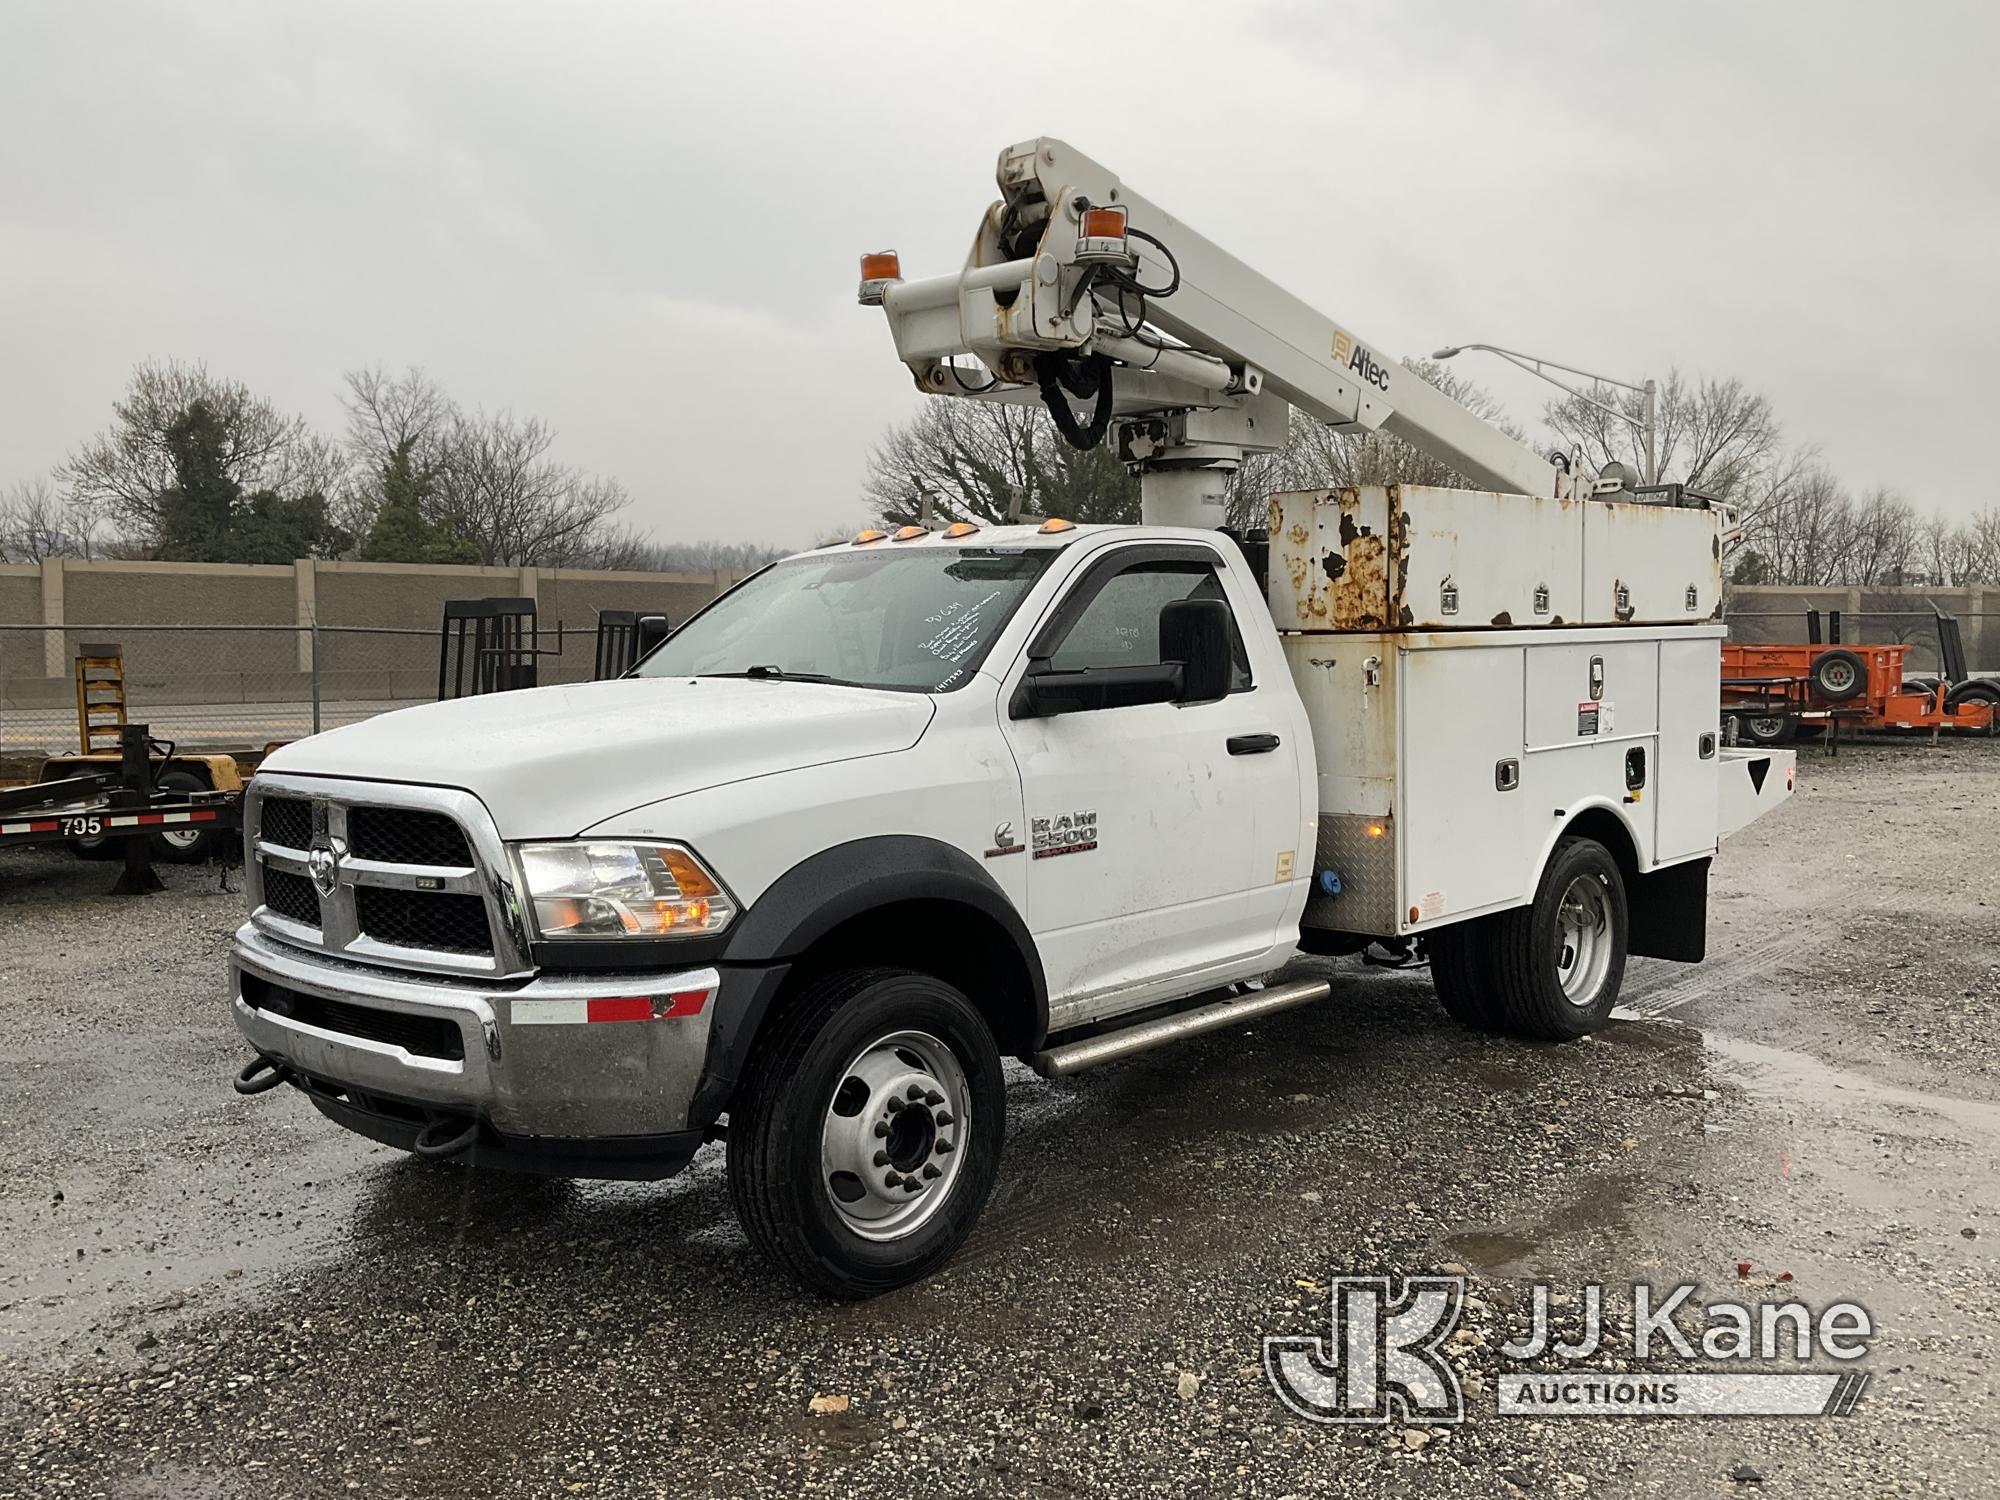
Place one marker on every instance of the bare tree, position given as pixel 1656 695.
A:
pixel 1316 456
pixel 1714 435
pixel 37 523
pixel 121 473
pixel 992 461
pixel 489 476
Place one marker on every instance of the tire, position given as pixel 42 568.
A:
pixel 1839 675
pixel 1542 995
pixel 1771 729
pixel 1459 974
pixel 850 1048
pixel 184 846
pixel 1979 690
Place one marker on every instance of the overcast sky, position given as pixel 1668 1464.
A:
pixel 641 221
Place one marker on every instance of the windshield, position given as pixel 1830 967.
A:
pixel 920 620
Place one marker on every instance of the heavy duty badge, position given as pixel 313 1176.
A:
pixel 1070 833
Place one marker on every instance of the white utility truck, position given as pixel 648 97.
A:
pixel 892 810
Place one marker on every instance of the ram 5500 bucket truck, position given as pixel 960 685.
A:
pixel 892 810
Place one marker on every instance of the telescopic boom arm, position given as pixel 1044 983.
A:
pixel 1078 290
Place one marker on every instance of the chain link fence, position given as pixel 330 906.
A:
pixel 236 688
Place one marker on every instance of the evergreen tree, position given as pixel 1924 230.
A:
pixel 402 532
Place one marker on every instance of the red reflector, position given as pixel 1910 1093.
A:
pixel 687 1003
pixel 648 1007
pixel 622 1008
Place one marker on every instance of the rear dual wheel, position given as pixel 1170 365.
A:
pixel 1549 970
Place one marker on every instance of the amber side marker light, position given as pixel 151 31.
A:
pixel 958 529
pixel 862 539
pixel 907 533
pixel 1055 524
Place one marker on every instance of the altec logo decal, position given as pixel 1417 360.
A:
pixel 1359 361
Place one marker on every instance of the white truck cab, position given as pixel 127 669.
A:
pixel 893 809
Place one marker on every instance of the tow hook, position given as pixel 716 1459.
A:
pixel 434 1144
pixel 262 1074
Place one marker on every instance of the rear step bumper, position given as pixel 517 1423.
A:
pixel 1234 1010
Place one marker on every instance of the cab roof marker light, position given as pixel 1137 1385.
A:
pixel 1054 525
pixel 862 539
pixel 958 529
pixel 909 533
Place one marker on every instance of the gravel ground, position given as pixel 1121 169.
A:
pixel 208 1296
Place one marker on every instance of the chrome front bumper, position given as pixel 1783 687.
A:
pixel 574 1081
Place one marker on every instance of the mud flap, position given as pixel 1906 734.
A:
pixel 1669 913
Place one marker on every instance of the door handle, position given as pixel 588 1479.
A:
pixel 1252 744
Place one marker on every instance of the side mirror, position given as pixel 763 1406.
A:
pixel 647 633
pixel 1195 633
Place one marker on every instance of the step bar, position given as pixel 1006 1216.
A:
pixel 1253 1005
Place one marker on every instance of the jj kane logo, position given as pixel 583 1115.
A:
pixel 1385 1359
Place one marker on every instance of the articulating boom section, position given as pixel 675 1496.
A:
pixel 1078 290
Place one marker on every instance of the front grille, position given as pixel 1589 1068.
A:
pixel 400 836
pixel 287 821
pixel 291 896
pixel 427 1036
pixel 423 919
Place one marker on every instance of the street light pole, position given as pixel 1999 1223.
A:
pixel 1648 428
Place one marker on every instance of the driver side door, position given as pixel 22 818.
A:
pixel 1145 826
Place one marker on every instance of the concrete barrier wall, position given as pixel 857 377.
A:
pixel 375 595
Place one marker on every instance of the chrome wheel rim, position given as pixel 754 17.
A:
pixel 1583 940
pixel 893 1135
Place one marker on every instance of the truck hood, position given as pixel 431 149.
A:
pixel 550 762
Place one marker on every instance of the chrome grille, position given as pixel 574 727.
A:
pixel 287 821
pixel 401 836
pixel 291 896
pixel 423 919
pixel 409 876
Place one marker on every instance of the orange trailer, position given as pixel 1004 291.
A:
pixel 1777 692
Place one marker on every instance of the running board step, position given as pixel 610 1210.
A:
pixel 1074 1057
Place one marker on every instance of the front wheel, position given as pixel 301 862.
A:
pixel 1558 962
pixel 867 1138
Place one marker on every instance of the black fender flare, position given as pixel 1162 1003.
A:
pixel 850 880
pixel 818 895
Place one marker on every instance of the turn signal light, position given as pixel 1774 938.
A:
pixel 1376 830
pixel 1055 524
pixel 1103 224
pixel 908 533
pixel 886 265
pixel 862 539
pixel 958 529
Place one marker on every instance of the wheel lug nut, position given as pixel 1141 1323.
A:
pixel 896 1104
pixel 881 1158
pixel 934 1097
pixel 944 1117
pixel 943 1148
pixel 915 1091
pixel 931 1171
pixel 881 1127
pixel 894 1179
pixel 911 1185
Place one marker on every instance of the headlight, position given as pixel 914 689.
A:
pixel 588 889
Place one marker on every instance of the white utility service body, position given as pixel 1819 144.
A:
pixel 893 809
